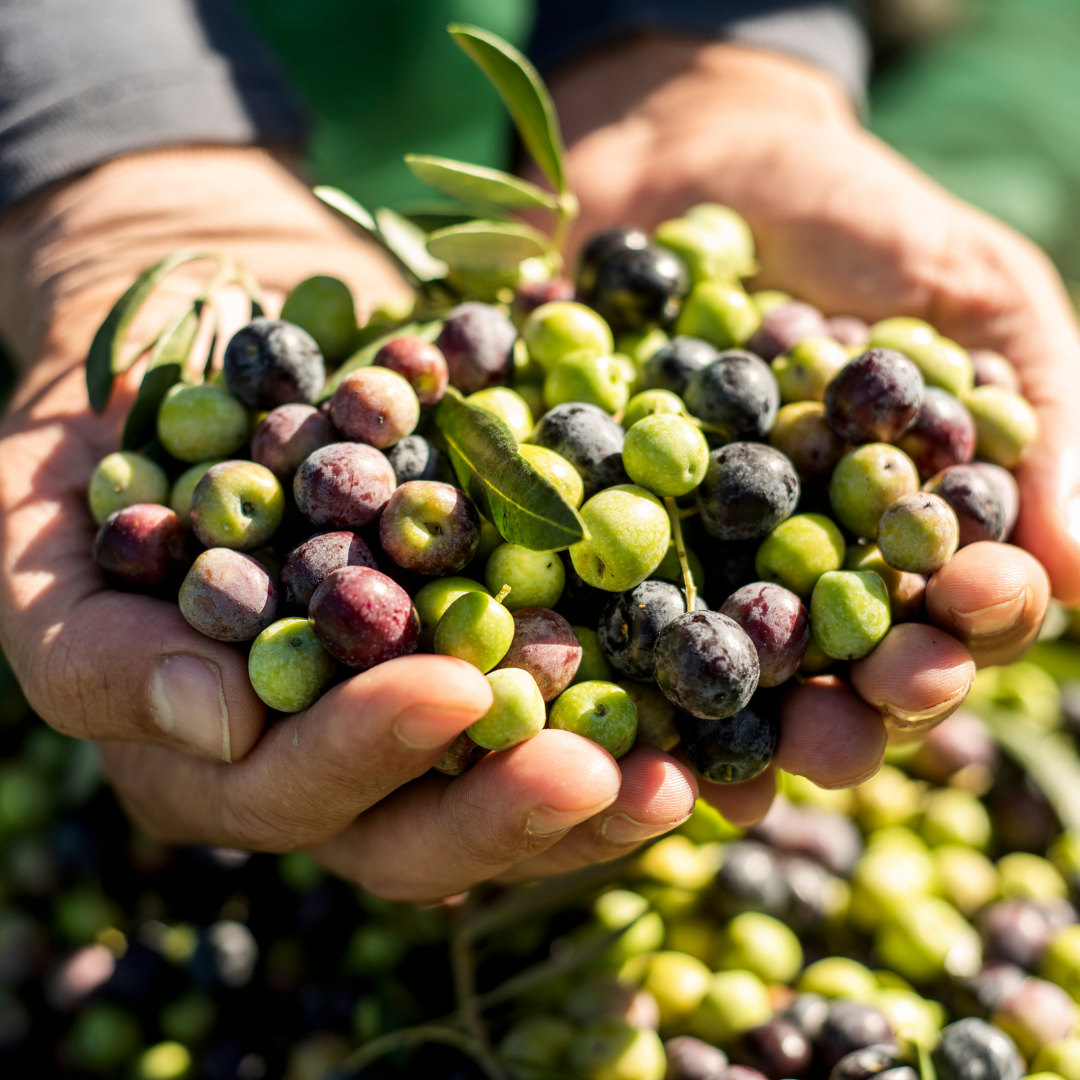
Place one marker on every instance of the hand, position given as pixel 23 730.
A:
pixel 655 125
pixel 182 732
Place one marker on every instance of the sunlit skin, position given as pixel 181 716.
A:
pixel 840 220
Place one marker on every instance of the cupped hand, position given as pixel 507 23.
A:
pixel 183 735
pixel 655 125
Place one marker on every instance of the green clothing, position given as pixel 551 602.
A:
pixel 382 78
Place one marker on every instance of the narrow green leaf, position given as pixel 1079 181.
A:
pixel 524 93
pixel 347 205
pixel 408 241
pixel 523 505
pixel 428 331
pixel 486 245
pixel 1049 758
pixel 104 360
pixel 165 367
pixel 477 183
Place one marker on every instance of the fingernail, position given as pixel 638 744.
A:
pixel 933 712
pixel 187 702
pixel 990 620
pixel 546 820
pixel 623 829
pixel 424 727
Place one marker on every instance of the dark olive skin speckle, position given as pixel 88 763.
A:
pixel 363 618
pixel 545 646
pixel 748 490
pixel 307 565
pixel 731 749
pixel 705 664
pixel 631 622
pixel 344 485
pixel 270 362
pixel 776 621
pixel 228 596
pixel 874 398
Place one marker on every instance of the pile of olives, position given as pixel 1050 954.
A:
pixel 761 494
pixel 932 907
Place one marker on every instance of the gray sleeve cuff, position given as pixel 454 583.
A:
pixel 81 83
pixel 826 34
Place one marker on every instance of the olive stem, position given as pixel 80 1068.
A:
pixel 502 594
pixel 680 551
pixel 414 1036
pixel 565 215
pixel 463 965
pixel 713 429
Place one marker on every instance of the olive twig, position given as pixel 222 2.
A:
pixel 463 965
pixel 565 216
pixel 680 550
pixel 552 968
pixel 518 904
pixel 415 1036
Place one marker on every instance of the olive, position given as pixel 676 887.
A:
pixel 636 288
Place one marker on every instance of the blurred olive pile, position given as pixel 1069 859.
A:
pixel 940 889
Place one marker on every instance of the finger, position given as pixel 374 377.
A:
pixel 93 662
pixel 656 795
pixel 829 734
pixel 992 598
pixel 742 804
pixel 311 773
pixel 437 837
pixel 915 677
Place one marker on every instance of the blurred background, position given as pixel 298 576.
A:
pixel 119 956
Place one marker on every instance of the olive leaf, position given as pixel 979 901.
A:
pixel 347 205
pixel 426 331
pixel 524 94
pixel 1049 758
pixel 164 368
pixel 407 241
pixel 486 245
pixel 477 183
pixel 403 239
pixel 524 506
pixel 104 360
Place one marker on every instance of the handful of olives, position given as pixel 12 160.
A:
pixel 544 476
